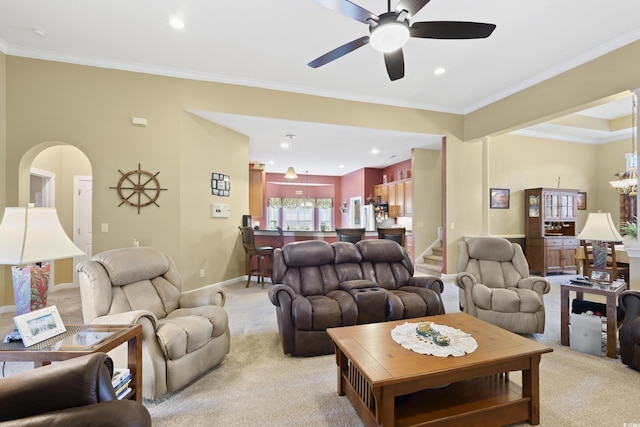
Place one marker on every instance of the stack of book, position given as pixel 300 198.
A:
pixel 121 381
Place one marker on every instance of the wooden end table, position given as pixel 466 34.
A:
pixel 80 340
pixel 611 293
pixel 389 385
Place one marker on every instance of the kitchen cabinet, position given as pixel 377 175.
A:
pixel 408 206
pixel 397 195
pixel 550 230
pixel 393 200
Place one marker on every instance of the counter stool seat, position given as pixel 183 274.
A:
pixel 260 253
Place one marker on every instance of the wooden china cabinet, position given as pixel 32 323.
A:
pixel 550 230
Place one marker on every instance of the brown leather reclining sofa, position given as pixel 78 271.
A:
pixel 630 329
pixel 318 285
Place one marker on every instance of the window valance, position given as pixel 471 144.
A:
pixel 300 202
pixel 274 202
pixel 324 203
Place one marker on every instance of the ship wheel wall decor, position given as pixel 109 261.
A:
pixel 138 188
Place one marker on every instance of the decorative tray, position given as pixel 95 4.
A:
pixel 421 340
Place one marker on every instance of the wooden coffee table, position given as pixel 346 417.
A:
pixel 374 370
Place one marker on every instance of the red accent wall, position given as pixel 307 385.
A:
pixel 341 189
pixel 392 171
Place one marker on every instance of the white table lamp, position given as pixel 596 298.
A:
pixel 600 229
pixel 29 236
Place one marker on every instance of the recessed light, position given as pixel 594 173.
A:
pixel 439 71
pixel 284 144
pixel 176 23
pixel 39 32
pixel 271 162
pixel 341 166
pixel 375 151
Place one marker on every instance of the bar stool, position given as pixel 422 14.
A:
pixel 259 252
pixel 353 235
pixel 396 234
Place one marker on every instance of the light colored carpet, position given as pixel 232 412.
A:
pixel 257 385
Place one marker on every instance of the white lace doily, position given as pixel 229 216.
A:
pixel 461 342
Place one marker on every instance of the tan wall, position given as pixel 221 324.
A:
pixel 426 173
pixel 582 86
pixel 211 244
pixel 6 291
pixel 91 109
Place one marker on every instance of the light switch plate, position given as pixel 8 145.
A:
pixel 220 210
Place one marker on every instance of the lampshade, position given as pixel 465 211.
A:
pixel 291 174
pixel 600 227
pixel 30 235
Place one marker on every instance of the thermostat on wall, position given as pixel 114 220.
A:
pixel 219 210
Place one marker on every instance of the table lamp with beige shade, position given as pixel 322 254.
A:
pixel 30 236
pixel 600 230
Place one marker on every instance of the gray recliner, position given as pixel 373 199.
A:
pixel 493 276
pixel 184 334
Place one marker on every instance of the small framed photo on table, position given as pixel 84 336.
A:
pixel 39 325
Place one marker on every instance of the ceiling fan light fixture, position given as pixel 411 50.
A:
pixel 389 36
pixel 291 173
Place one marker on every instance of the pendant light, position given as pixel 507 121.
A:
pixel 291 173
pixel 628 180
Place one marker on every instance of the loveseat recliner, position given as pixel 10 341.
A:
pixel 184 334
pixel 318 285
pixel 493 275
pixel 73 393
pixel 630 330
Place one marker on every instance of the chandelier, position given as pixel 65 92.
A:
pixel 627 182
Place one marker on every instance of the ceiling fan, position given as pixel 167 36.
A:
pixel 389 31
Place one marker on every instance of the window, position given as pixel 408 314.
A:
pixel 324 217
pixel 273 217
pixel 297 218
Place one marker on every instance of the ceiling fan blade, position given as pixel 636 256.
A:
pixel 338 52
pixel 451 30
pixel 411 6
pixel 395 64
pixel 350 10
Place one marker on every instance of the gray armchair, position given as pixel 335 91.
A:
pixel 184 334
pixel 494 282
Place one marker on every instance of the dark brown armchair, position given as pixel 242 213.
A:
pixel 76 392
pixel 630 329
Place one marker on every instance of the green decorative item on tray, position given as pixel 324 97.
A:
pixel 424 329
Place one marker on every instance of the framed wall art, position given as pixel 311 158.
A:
pixel 220 184
pixel 582 201
pixel 499 198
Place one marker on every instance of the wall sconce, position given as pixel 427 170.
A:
pixel 344 208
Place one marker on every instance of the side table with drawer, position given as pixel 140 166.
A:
pixel 79 340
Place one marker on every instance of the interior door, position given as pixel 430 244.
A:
pixel 82 237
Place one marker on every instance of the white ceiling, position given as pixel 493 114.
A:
pixel 268 44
